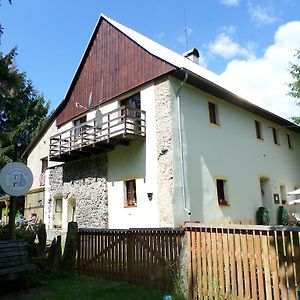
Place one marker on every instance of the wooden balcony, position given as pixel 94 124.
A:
pixel 100 134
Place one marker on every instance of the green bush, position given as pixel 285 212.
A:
pixel 3 233
pixel 283 216
pixel 262 216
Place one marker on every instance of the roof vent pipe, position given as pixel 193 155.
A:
pixel 192 55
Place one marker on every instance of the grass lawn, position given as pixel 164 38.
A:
pixel 80 287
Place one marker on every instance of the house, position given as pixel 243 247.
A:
pixel 146 137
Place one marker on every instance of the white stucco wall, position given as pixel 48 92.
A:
pixel 41 150
pixel 136 161
pixel 233 152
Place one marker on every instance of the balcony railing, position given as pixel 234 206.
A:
pixel 100 134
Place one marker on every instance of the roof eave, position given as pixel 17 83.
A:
pixel 222 93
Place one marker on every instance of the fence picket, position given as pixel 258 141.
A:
pixel 290 267
pixel 273 266
pixel 252 262
pixel 225 262
pixel 239 268
pixel 245 264
pixel 220 266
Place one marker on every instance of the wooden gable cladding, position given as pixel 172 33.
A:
pixel 112 65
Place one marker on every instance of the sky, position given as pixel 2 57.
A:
pixel 250 44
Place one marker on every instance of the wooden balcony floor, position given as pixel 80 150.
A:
pixel 97 147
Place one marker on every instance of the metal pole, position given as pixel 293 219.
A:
pixel 12 216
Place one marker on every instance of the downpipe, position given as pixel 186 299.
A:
pixel 182 166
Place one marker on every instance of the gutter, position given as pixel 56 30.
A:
pixel 228 96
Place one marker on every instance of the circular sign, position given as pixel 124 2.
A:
pixel 16 179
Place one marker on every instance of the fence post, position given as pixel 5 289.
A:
pixel 185 284
pixel 130 255
pixel 69 257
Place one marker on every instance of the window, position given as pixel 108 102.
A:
pixel 283 194
pixel 289 141
pixel 78 129
pixel 258 130
pixel 133 105
pixel 130 193
pixel 213 113
pixel 132 102
pixel 221 191
pixel 44 167
pixel 275 136
pixel 44 164
pixel 58 205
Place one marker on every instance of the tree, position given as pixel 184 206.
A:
pixel 1 28
pixel 23 110
pixel 295 85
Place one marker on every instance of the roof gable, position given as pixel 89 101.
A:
pixel 112 64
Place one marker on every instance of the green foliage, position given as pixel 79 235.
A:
pixel 1 28
pixel 283 217
pixel 295 72
pixel 42 238
pixel 295 85
pixel 23 110
pixel 262 216
pixel 27 235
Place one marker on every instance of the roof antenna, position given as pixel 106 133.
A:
pixel 186 32
pixel 90 103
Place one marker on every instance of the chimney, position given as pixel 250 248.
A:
pixel 192 55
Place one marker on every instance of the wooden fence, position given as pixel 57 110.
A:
pixel 143 256
pixel 218 262
pixel 243 262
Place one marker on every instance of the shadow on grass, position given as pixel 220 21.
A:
pixel 80 287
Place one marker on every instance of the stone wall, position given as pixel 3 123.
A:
pixel 85 180
pixel 165 178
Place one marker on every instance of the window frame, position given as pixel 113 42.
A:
pixel 275 136
pixel 223 193
pixel 129 190
pixel 78 130
pixel 213 113
pixel 58 211
pixel 44 162
pixel 283 194
pixel 44 166
pixel 289 141
pixel 258 130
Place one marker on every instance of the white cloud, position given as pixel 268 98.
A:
pixel 261 15
pixel 160 35
pixel 202 60
pixel 228 29
pixel 263 80
pixel 225 47
pixel 230 2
